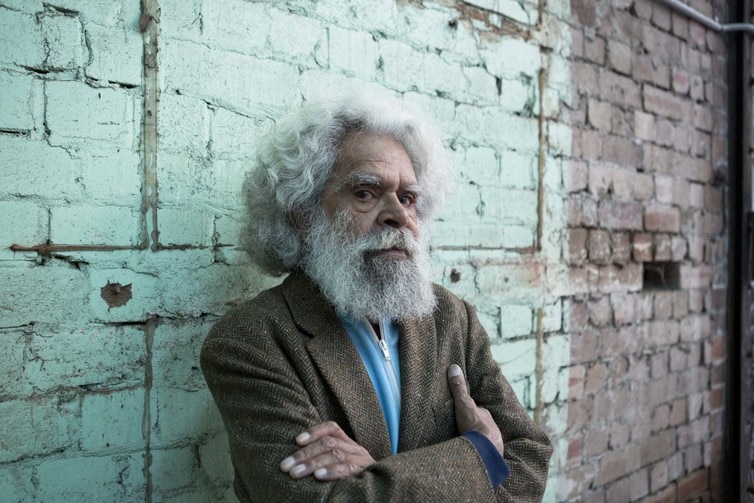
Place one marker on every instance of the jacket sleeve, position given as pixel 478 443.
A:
pixel 264 404
pixel 527 447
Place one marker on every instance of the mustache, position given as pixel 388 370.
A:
pixel 389 239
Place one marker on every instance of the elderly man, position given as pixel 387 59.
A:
pixel 357 379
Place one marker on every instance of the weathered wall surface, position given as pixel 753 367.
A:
pixel 588 148
pixel 648 255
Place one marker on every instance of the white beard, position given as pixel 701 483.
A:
pixel 360 284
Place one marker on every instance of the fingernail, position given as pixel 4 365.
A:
pixel 454 370
pixel 287 464
pixel 297 470
pixel 320 472
pixel 303 437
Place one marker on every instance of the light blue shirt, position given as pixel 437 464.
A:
pixel 380 356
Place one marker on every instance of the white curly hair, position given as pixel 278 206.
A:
pixel 295 160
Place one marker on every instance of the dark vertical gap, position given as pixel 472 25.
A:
pixel 146 421
pixel 739 312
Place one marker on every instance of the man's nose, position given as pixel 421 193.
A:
pixel 393 213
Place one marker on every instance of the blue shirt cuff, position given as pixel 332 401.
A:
pixel 496 466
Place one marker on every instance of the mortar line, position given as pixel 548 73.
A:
pixel 146 420
pixel 149 23
pixel 538 366
pixel 542 76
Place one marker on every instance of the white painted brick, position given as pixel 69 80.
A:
pixel 118 477
pixel 319 84
pixel 31 428
pixel 402 66
pixel 21 40
pixel 112 421
pixel 552 319
pixel 143 295
pixel 524 390
pixel 354 52
pixel 515 321
pixel 512 282
pixel 110 177
pixel 234 25
pixel 236 81
pixel 307 46
pixel 180 416
pixel 517 358
pixel 26 224
pixel 176 349
pixel 509 206
pixel 26 6
pixel 184 125
pixel 480 87
pixel 186 19
pixel 215 459
pixel 518 236
pixel 429 25
pixel 78 114
pixel 209 291
pixel 377 15
pixel 510 57
pixel 228 228
pixel 518 95
pixel 174 470
pixel 518 171
pixel 116 54
pixel 33 168
pixel 180 226
pixel 440 110
pixel 559 139
pixel 16 102
pixel 463 205
pixel 92 225
pixel 495 127
pixel 105 12
pixel 13 348
pixel 479 165
pixel 64 41
pixel 512 9
pixel 51 294
pixel 234 136
pixel 93 355
pixel 16 483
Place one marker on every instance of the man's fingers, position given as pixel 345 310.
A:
pixel 458 389
pixel 327 429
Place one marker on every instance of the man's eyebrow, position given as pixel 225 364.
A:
pixel 357 179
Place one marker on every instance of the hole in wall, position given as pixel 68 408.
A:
pixel 662 275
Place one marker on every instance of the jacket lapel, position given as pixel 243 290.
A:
pixel 418 373
pixel 339 363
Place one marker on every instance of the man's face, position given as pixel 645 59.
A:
pixel 374 184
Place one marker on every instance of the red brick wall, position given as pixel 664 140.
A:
pixel 647 190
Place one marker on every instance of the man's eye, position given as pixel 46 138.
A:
pixel 407 200
pixel 363 195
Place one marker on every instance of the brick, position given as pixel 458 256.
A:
pixel 621 151
pixel 86 356
pixel 660 421
pixel 353 51
pixel 516 357
pixel 662 219
pixel 180 416
pixel 516 321
pixel 49 425
pixel 621 247
pixel 680 81
pixel 620 57
pixel 664 133
pixel 118 477
pixel 17 102
pixel 693 485
pixel 61 301
pixel 663 103
pixel 618 464
pixel 78 115
pixel 181 227
pixel 64 42
pixel 576 177
pixel 620 215
pixel 619 90
pixel 659 446
pixel 29 224
pixel 599 114
pixel 91 225
pixel 644 125
pixel 643 186
pixel 695 276
pixel 21 39
pixel 577 250
pixel 598 245
pixel 112 421
pixel 35 161
pixel 624 308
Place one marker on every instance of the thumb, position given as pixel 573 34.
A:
pixel 457 383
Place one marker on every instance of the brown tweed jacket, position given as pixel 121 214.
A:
pixel 282 363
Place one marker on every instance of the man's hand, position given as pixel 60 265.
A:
pixel 469 417
pixel 328 453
